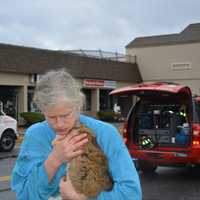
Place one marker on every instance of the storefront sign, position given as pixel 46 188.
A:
pixel 94 83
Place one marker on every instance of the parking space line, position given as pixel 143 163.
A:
pixel 5 178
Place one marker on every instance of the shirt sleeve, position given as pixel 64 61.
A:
pixel 29 177
pixel 121 167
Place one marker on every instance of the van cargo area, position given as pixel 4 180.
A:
pixel 164 124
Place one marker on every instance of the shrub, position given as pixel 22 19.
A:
pixel 32 117
pixel 109 116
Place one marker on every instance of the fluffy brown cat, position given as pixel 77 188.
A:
pixel 89 172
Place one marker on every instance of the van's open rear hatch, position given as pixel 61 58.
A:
pixel 152 88
pixel 161 117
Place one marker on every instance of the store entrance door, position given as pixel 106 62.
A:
pixel 8 96
pixel 106 101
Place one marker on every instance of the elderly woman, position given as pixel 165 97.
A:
pixel 49 146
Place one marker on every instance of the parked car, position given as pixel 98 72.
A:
pixel 8 131
pixel 163 126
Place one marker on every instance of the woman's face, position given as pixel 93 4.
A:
pixel 61 117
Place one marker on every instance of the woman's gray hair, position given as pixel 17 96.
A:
pixel 57 86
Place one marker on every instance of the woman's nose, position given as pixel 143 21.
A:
pixel 60 121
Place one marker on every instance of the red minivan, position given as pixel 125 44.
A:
pixel 162 127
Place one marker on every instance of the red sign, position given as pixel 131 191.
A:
pixel 99 83
pixel 93 83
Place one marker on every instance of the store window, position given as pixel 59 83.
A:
pixel 106 101
pixel 30 99
pixel 9 100
pixel 88 99
pixel 32 107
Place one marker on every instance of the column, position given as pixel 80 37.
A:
pixel 22 101
pixel 95 100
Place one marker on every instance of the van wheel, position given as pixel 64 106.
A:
pixel 7 141
pixel 146 167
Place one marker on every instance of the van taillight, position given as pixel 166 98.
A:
pixel 195 142
pixel 125 132
pixel 196 135
pixel 196 129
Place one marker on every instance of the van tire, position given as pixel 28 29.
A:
pixel 7 141
pixel 146 167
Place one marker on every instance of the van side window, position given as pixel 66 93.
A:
pixel 196 113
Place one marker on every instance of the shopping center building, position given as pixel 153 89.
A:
pixel 170 57
pixel 21 67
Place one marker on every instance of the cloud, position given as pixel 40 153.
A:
pixel 91 24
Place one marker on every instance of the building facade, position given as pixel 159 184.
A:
pixel 20 68
pixel 173 57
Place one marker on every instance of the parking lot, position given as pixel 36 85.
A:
pixel 166 183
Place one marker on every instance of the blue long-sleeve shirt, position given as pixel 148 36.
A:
pixel 30 180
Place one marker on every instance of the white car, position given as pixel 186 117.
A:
pixel 8 131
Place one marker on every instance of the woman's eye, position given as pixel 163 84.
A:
pixel 52 117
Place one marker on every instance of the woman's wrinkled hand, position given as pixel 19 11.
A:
pixel 65 148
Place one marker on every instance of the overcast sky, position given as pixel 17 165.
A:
pixel 108 25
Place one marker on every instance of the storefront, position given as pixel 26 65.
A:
pixel 97 94
pixel 20 68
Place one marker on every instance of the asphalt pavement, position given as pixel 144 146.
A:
pixel 7 161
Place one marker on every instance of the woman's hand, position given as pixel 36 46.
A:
pixel 68 192
pixel 65 148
